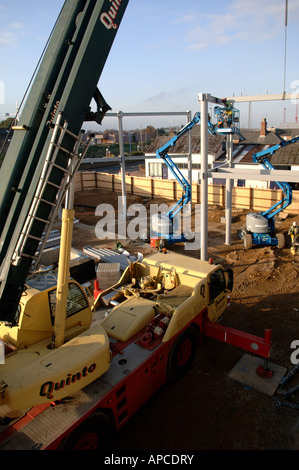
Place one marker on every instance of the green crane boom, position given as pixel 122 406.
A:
pixel 36 168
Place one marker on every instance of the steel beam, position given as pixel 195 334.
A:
pixel 287 176
pixel 157 113
pixel 273 97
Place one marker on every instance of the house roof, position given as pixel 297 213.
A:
pixel 182 145
pixel 288 155
pixel 255 142
pixel 243 150
pixel 254 137
pixel 243 153
pixel 288 132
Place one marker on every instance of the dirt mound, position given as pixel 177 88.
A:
pixel 254 268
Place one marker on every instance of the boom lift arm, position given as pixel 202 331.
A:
pixel 162 152
pixel 270 213
pixel 227 123
pixel 41 153
pixel 260 228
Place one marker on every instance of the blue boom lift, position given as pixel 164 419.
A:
pixel 260 228
pixel 163 225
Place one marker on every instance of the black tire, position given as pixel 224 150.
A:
pixel 92 434
pixel 280 240
pixel 247 242
pixel 182 353
pixel 163 243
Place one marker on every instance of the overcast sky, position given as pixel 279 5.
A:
pixel 168 51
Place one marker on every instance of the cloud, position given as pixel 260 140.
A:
pixel 7 39
pixel 159 97
pixel 168 99
pixel 197 46
pixel 10 36
pixel 185 18
pixel 16 25
pixel 250 21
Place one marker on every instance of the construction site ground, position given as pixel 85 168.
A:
pixel 206 409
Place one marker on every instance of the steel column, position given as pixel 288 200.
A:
pixel 190 158
pixel 122 164
pixel 228 192
pixel 204 177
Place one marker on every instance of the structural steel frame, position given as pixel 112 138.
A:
pixel 226 171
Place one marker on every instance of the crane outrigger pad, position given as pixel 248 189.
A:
pixel 246 372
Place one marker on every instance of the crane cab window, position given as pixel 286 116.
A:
pixel 42 280
pixel 76 301
pixel 217 284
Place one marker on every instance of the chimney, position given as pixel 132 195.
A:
pixel 264 128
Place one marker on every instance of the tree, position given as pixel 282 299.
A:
pixel 161 131
pixel 6 123
pixel 151 131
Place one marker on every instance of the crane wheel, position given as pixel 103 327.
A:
pixel 182 353
pixel 94 433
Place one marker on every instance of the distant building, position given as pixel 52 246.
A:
pixel 156 168
pixel 253 141
pixel 110 138
pixel 286 158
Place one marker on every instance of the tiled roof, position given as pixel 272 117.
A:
pixel 253 142
pixel 288 155
pixel 254 137
pixel 244 155
pixel 182 144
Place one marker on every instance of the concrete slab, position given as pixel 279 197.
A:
pixel 245 373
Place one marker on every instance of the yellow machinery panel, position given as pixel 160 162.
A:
pixel 128 318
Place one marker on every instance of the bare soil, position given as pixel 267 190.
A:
pixel 206 409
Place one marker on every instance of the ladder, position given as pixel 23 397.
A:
pixel 74 160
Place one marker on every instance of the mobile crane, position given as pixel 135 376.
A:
pixel 260 228
pixel 67 378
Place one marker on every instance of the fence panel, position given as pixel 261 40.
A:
pixel 254 199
